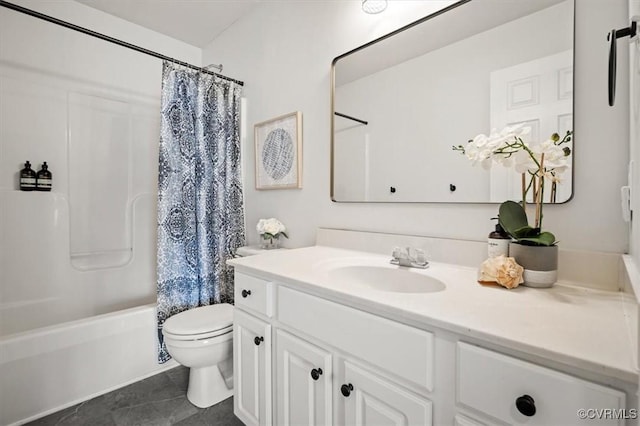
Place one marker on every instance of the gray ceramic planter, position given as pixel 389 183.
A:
pixel 540 264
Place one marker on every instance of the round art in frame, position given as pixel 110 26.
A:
pixel 278 152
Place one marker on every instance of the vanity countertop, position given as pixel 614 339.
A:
pixel 586 328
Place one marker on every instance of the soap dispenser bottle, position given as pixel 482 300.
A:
pixel 44 179
pixel 27 178
pixel 498 242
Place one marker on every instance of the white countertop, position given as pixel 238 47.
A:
pixel 577 326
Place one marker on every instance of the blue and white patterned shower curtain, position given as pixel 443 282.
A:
pixel 200 207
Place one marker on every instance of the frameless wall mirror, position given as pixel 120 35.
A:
pixel 400 103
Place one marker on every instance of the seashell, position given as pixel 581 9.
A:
pixel 501 270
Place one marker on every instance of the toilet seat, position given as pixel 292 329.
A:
pixel 199 336
pixel 200 323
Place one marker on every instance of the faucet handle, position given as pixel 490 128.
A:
pixel 396 252
pixel 399 253
pixel 420 257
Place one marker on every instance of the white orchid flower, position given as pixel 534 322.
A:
pixel 546 160
pixel 523 162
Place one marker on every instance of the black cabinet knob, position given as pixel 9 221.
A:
pixel 346 389
pixel 246 293
pixel 526 405
pixel 316 373
pixel 257 340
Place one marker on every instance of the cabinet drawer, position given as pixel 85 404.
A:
pixel 399 349
pixel 253 294
pixel 492 383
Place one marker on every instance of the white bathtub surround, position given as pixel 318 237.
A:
pixel 91 109
pixel 55 367
pixel 74 315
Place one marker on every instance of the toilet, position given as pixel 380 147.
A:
pixel 202 339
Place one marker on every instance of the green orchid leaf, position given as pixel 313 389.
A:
pixel 543 239
pixel 526 231
pixel 512 218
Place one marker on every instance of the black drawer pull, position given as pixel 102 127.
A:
pixel 316 373
pixel 526 405
pixel 257 340
pixel 346 389
pixel 246 293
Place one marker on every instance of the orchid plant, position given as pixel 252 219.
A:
pixel 536 162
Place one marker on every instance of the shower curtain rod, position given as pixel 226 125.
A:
pixel 104 37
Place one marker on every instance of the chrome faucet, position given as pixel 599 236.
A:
pixel 409 257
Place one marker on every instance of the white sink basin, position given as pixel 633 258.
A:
pixel 385 278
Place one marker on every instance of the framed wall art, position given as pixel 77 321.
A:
pixel 279 152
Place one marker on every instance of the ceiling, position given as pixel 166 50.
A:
pixel 196 22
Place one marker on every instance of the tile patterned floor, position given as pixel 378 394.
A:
pixel 160 400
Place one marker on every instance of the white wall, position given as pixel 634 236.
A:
pixel 283 52
pixel 634 61
pixel 90 109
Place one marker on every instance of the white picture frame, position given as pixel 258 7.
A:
pixel 278 152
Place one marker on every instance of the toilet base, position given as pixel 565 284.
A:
pixel 208 386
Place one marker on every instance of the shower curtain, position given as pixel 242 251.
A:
pixel 200 205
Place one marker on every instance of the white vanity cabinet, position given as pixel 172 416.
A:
pixel 301 374
pixel 325 363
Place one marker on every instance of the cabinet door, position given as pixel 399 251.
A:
pixel 303 382
pixel 252 369
pixel 370 400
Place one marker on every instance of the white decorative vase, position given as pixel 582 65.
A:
pixel 540 264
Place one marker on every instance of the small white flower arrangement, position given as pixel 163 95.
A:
pixel 270 230
pixel 535 161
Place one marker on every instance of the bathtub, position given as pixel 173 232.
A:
pixel 51 368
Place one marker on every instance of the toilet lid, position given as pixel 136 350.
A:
pixel 204 320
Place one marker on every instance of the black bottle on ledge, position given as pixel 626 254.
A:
pixel 27 178
pixel 44 179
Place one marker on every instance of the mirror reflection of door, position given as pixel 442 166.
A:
pixel 539 95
